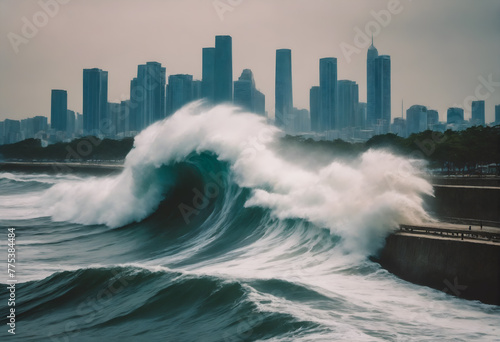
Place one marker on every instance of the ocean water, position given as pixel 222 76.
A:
pixel 218 230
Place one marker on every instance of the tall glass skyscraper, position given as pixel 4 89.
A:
pixel 150 94
pixel 95 100
pixel 370 75
pixel 223 91
pixel 58 110
pixel 378 72
pixel 328 88
pixel 180 91
pixel 208 74
pixel 478 116
pixel 383 92
pixel 455 115
pixel 314 107
pixel 416 119
pixel 348 100
pixel 283 88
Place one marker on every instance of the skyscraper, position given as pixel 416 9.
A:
pixel 383 92
pixel 136 98
pixel 260 103
pixel 95 100
pixel 455 115
pixel 432 118
pixel 378 72
pixel 283 87
pixel 348 100
pixel 497 114
pixel 223 77
pixel 328 88
pixel 208 74
pixel 244 90
pixel 478 113
pixel 58 110
pixel 70 122
pixel 314 107
pixel 370 76
pixel 360 121
pixel 246 94
pixel 151 102
pixel 180 91
pixel 416 119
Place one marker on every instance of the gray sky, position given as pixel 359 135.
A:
pixel 439 48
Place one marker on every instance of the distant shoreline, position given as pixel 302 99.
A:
pixel 53 167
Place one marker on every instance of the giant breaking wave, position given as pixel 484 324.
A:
pixel 360 200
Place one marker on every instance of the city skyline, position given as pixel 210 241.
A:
pixel 428 71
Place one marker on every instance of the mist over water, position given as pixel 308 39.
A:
pixel 218 230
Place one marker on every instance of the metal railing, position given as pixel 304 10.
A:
pixel 452 233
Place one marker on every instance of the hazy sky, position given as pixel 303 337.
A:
pixel 439 48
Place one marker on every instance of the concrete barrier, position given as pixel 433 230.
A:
pixel 464 268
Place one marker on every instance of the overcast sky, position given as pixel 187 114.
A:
pixel 439 48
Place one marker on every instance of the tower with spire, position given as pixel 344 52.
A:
pixel 370 75
pixel 378 91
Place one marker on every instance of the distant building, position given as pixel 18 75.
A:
pixel 478 116
pixel 70 123
pixel 95 100
pixel 378 71
pixel 208 74
pixel 148 94
pixel 114 113
pixel 416 119
pixel 383 91
pixel 11 131
pixel 197 86
pixel 370 73
pixel 300 121
pixel 124 119
pixel 455 116
pixel 79 124
pixel 58 110
pixel 432 118
pixel 223 77
pixel 246 95
pixel 361 115
pixel 180 91
pixel 283 88
pixel 348 100
pixel 40 125
pixel 399 127
pixel 328 119
pixel 497 114
pixel 314 108
pixel 260 103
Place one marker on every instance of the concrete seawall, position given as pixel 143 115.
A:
pixel 464 201
pixel 466 268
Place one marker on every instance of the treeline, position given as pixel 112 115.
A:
pixel 82 149
pixel 451 150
